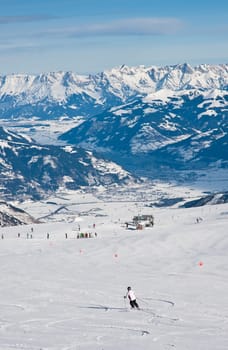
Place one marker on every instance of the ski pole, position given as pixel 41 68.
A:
pixel 125 303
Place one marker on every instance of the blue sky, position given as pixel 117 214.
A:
pixel 89 36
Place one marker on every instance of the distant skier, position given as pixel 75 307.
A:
pixel 132 298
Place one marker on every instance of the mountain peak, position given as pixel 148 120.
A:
pixel 186 68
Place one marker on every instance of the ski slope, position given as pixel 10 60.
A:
pixel 67 293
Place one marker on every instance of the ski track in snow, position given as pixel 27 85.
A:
pixel 67 294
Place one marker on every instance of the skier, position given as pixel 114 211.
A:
pixel 132 298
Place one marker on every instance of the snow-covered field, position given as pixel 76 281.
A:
pixel 67 293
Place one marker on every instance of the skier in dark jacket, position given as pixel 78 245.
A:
pixel 132 298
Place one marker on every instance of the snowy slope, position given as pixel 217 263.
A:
pixel 59 293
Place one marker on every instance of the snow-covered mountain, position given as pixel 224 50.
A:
pixel 212 199
pixel 60 94
pixel 144 118
pixel 31 170
pixel 13 216
pixel 183 131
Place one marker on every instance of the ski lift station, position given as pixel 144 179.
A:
pixel 139 222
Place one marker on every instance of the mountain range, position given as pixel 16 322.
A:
pixel 58 94
pixel 146 119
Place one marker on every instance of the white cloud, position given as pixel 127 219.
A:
pixel 123 27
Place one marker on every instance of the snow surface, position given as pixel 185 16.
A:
pixel 67 293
